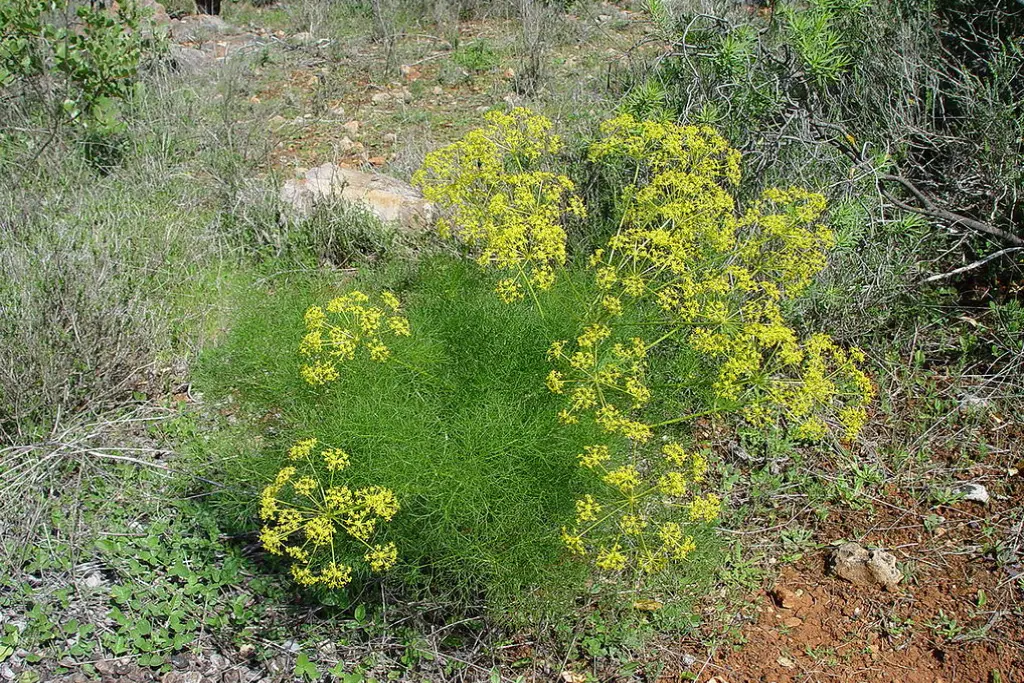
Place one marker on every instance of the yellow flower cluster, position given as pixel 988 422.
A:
pixel 305 514
pixel 602 379
pixel 348 323
pixel 683 251
pixel 665 146
pixel 626 524
pixel 502 198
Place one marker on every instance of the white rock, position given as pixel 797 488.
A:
pixel 389 199
pixel 971 403
pixel 976 493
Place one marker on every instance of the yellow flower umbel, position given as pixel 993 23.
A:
pixel 718 278
pixel 502 198
pixel 628 521
pixel 308 516
pixel 602 379
pixel 348 323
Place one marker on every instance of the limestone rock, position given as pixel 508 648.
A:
pixel 189 60
pixel 198 27
pixel 389 199
pixel 866 567
pixel 976 493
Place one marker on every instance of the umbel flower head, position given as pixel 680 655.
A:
pixel 312 517
pixel 349 324
pixel 503 199
pixel 639 519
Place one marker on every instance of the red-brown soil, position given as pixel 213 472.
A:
pixel 812 626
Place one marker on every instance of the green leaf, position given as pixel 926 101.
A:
pixel 152 660
pixel 305 669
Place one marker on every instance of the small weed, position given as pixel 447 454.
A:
pixel 477 56
pixel 946 626
pixel 823 655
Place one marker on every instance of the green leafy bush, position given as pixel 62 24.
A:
pixel 414 422
pixel 77 63
pixel 462 429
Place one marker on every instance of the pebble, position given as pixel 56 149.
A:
pixel 976 493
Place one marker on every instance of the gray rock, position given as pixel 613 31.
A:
pixel 976 493
pixel 189 60
pixel 183 677
pixel 218 661
pixel 866 567
pixel 198 27
pixel 389 199
pixel 971 403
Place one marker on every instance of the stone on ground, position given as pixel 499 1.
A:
pixel 387 198
pixel 865 567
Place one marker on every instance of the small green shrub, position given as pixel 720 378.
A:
pixel 427 395
pixel 476 56
pixel 461 429
pixel 74 63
